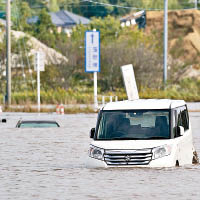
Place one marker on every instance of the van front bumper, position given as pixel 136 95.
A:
pixel 166 161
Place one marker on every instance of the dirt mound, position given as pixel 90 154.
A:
pixel 51 55
pixel 184 34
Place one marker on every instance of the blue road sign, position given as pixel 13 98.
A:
pixel 92 51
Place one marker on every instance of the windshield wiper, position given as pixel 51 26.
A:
pixel 156 137
pixel 127 138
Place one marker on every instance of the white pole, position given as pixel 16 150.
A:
pixel 95 91
pixel 196 4
pixel 95 88
pixel 38 82
pixel 165 41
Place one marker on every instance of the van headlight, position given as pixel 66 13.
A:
pixel 159 152
pixel 95 152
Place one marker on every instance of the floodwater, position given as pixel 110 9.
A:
pixel 49 164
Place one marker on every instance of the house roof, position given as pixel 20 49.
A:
pixel 65 18
pixel 33 20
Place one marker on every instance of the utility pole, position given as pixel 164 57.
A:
pixel 8 55
pixel 165 52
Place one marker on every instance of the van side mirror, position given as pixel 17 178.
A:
pixel 3 120
pixel 92 132
pixel 180 130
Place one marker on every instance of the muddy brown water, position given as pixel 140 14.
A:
pixel 49 164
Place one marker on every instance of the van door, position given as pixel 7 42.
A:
pixel 184 142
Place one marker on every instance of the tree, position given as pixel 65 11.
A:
pixel 158 4
pixel 45 31
pixel 119 8
pixel 21 12
pixel 53 6
pixel 118 47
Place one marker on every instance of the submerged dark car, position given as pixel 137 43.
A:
pixel 37 124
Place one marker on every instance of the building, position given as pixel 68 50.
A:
pixel 63 20
pixel 133 19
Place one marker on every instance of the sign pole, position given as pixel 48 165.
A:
pixel 95 86
pixel 92 58
pixel 38 88
pixel 39 66
pixel 38 80
pixel 95 91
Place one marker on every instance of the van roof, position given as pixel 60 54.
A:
pixel 144 104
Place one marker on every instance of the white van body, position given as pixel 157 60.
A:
pixel 156 133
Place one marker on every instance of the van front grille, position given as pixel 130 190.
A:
pixel 128 157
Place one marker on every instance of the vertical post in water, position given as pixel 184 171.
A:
pixel 38 80
pixel 165 41
pixel 95 91
pixel 8 55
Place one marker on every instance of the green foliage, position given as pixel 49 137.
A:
pixel 54 97
pixel 118 47
pixel 51 77
pixel 2 8
pixel 44 30
pixel 20 13
pixel 89 9
pixel 187 89
pixel 158 4
pixel 107 34
pixel 53 6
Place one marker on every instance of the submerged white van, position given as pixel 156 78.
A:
pixel 142 133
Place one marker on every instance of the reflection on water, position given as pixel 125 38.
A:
pixel 49 164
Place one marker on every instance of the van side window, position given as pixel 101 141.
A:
pixel 185 119
pixel 181 119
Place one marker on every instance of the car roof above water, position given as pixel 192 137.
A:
pixel 144 104
pixel 33 123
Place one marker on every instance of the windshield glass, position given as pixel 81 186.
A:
pixel 135 124
pixel 38 125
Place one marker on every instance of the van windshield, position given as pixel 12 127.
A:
pixel 134 125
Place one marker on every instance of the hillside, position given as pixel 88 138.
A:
pixel 184 37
